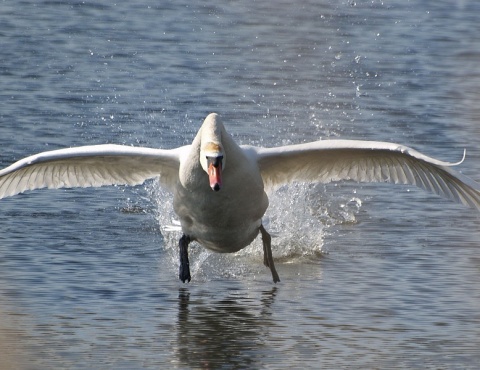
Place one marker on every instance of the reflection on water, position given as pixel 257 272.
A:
pixel 232 330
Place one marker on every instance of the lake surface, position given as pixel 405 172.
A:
pixel 373 276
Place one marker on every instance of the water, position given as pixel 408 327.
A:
pixel 373 276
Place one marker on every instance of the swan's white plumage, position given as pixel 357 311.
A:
pixel 365 161
pixel 87 166
pixel 180 170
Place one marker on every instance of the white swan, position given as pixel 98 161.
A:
pixel 224 213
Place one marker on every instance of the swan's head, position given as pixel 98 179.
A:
pixel 212 155
pixel 212 159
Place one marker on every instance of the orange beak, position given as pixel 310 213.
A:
pixel 215 175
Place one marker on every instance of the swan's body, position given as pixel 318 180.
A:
pixel 229 219
pixel 218 186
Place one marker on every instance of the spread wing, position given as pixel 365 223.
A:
pixel 365 161
pixel 89 166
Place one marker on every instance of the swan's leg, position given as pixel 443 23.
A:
pixel 184 273
pixel 267 253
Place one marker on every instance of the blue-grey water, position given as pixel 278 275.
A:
pixel 373 276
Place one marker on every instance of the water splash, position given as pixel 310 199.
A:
pixel 298 218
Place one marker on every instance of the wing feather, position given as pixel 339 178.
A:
pixel 90 166
pixel 365 161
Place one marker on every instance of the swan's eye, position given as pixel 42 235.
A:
pixel 215 161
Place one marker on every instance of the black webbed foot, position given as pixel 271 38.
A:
pixel 184 271
pixel 267 253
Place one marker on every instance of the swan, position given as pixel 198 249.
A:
pixel 219 186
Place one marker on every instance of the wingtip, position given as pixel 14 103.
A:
pixel 463 158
